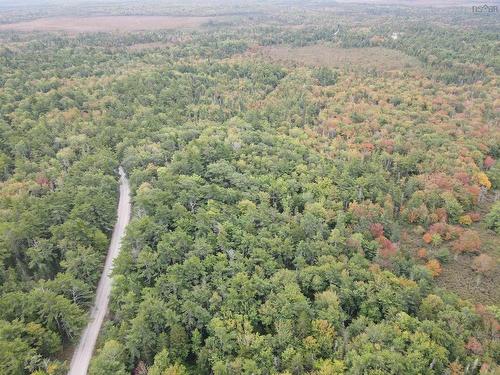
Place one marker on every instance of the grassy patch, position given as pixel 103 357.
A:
pixel 106 23
pixel 379 58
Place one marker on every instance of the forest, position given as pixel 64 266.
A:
pixel 300 204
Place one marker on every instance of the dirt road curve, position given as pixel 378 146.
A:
pixel 83 353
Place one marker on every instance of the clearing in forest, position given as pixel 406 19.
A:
pixel 106 23
pixel 379 58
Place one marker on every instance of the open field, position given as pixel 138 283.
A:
pixel 321 55
pixel 147 46
pixel 106 23
pixel 458 274
pixel 459 277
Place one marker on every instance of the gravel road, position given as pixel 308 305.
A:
pixel 83 353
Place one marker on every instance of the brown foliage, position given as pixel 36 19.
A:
pixel 474 346
pixel 354 243
pixel 422 253
pixel 442 214
pixel 367 210
pixel 434 266
pixel 468 242
pixel 483 263
pixel 475 191
pixel 456 368
pixel 387 248
pixel 427 237
pixel 442 181
pixel 488 162
pixel 387 145
pixel 42 180
pixel 463 177
pixel 489 321
pixel 475 216
pixel 377 230
pixel 485 368
pixel 446 231
pixel 141 369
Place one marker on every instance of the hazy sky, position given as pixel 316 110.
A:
pixel 72 3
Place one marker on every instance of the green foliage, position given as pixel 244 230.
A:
pixel 398 347
pixel 494 175
pixel 326 76
pixel 492 219
pixel 109 360
pixel 273 204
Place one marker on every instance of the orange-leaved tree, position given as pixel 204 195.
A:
pixel 468 242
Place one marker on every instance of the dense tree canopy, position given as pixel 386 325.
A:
pixel 287 218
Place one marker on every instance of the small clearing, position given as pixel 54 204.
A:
pixel 379 58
